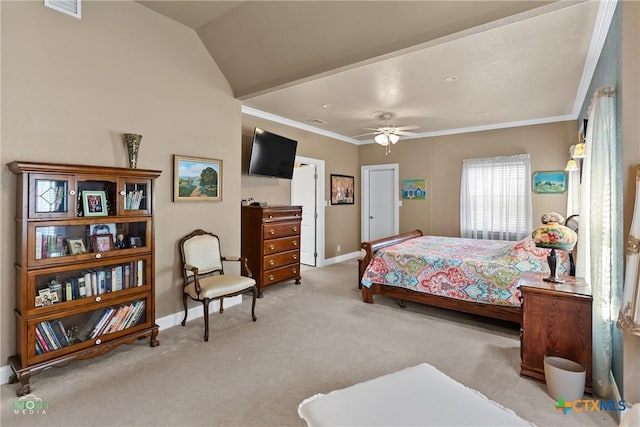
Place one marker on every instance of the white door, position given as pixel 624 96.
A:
pixel 379 201
pixel 303 193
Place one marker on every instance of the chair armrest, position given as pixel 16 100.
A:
pixel 194 270
pixel 244 264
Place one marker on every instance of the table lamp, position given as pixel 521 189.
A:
pixel 553 235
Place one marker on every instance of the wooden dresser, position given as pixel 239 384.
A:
pixel 271 243
pixel 556 320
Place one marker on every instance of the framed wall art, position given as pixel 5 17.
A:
pixel 196 178
pixel 342 189
pixel 549 182
pixel 414 189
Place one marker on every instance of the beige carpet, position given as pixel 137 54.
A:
pixel 308 339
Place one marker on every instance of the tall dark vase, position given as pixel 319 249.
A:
pixel 552 259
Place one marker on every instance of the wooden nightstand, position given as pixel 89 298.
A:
pixel 556 320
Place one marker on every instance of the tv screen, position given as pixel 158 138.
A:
pixel 272 155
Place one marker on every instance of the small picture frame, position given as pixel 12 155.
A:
pixel 94 203
pixel 101 242
pixel 76 246
pixel 342 189
pixel 135 242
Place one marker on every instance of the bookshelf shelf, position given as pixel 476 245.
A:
pixel 84 263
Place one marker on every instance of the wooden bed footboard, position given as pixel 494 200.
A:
pixel 502 312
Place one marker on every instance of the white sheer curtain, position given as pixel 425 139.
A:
pixel 599 235
pixel 629 317
pixel 495 198
pixel 573 193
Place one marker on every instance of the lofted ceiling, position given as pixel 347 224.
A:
pixel 442 66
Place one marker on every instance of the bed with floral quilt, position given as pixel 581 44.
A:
pixel 470 275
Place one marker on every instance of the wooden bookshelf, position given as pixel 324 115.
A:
pixel 84 263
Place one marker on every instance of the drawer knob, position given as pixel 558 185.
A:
pixel 272 247
pixel 98 341
pixel 72 192
pixel 272 231
pixel 98 299
pixel 294 271
pixel 122 193
pixel 295 256
pixel 295 229
pixel 98 256
pixel 271 262
pixel 270 216
pixel 271 277
pixel 294 243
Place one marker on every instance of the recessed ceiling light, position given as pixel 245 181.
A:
pixel 451 79
pixel 326 105
pixel 480 113
pixel 318 121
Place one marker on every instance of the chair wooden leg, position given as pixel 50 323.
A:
pixel 184 302
pixel 254 290
pixel 205 303
pixel 221 305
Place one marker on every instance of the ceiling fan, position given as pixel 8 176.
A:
pixel 387 134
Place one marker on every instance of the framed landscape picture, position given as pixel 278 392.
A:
pixel 551 182
pixel 196 178
pixel 342 189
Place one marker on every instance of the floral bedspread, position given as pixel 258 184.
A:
pixel 484 271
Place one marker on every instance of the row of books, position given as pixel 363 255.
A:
pixel 99 281
pixel 49 245
pixel 50 336
pixel 132 202
pixel 112 319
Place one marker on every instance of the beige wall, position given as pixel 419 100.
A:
pixel 71 87
pixel 342 222
pixel 439 161
pixel 631 158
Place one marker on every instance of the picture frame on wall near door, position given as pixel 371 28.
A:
pixel 342 189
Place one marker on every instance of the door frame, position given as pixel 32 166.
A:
pixel 364 220
pixel 320 205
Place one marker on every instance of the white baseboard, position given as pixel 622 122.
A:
pixel 617 397
pixel 165 322
pixel 345 257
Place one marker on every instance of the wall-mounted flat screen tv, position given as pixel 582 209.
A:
pixel 272 155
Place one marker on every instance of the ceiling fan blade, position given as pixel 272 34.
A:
pixel 402 132
pixel 410 127
pixel 364 134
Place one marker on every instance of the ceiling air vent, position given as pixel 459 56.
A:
pixel 70 7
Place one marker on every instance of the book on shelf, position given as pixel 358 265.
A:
pixel 39 349
pixel 40 338
pixel 133 199
pixel 68 294
pixel 48 336
pixel 103 322
pixel 38 243
pixel 123 317
pixel 66 336
pixel 137 314
pixel 140 273
pixel 88 285
pixel 85 332
pixel 58 333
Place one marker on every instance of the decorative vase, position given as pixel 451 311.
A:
pixel 133 145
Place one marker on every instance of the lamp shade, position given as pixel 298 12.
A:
pixel 393 138
pixel 553 235
pixel 382 139
pixel 572 165
pixel 579 150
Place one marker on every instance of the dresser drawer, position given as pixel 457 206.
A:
pixel 281 214
pixel 281 245
pixel 278 260
pixel 280 274
pixel 275 230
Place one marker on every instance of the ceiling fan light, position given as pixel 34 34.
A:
pixel 394 138
pixel 382 139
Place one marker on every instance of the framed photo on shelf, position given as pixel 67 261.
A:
pixel 342 189
pixel 196 179
pixel 551 182
pixel 109 228
pixel 135 242
pixel 101 242
pixel 76 246
pixel 94 203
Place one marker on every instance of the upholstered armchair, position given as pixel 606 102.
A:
pixel 203 275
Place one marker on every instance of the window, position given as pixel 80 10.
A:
pixel 495 199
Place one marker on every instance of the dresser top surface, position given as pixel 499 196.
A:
pixel 572 285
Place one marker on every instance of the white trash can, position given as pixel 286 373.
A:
pixel 565 378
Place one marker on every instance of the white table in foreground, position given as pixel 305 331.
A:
pixel 417 396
